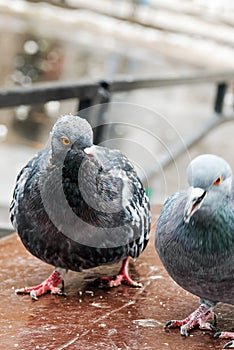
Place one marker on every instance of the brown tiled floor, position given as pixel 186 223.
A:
pixel 93 318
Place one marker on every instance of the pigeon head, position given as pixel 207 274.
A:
pixel 68 132
pixel 210 180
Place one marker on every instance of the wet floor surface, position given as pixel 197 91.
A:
pixel 93 318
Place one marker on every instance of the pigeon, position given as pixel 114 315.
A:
pixel 195 240
pixel 77 205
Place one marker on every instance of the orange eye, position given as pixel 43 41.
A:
pixel 65 141
pixel 218 181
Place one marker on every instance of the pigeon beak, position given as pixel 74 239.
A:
pixel 91 151
pixel 196 197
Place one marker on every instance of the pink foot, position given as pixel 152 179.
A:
pixel 198 318
pixel 122 277
pixel 50 284
pixel 226 335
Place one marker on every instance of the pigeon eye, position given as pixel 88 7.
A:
pixel 218 181
pixel 65 141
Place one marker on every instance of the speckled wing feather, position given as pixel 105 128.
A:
pixel 111 197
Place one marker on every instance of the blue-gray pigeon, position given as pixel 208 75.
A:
pixel 195 239
pixel 77 206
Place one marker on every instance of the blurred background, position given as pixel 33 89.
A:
pixel 91 40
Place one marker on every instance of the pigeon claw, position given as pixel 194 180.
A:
pixel 169 323
pixel 49 285
pixel 229 345
pixel 198 318
pixel 114 281
pixel 183 324
pixel 225 335
pixel 122 277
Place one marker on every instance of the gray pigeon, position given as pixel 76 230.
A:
pixel 195 240
pixel 78 206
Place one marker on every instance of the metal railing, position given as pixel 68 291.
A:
pixel 99 93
